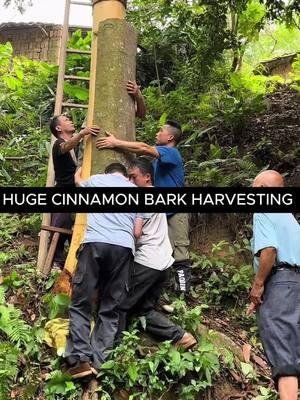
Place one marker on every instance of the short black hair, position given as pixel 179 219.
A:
pixel 174 129
pixel 54 121
pixel 116 167
pixel 173 123
pixel 144 165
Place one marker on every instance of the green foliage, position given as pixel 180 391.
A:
pixel 57 304
pixel 9 356
pixel 248 371
pixel 11 324
pixel 295 74
pixel 60 385
pixel 188 319
pixel 202 77
pixel 221 167
pixel 274 41
pixel 224 274
pixel 266 394
pixel 186 373
pixel 15 336
pixel 78 65
pixel 243 93
pixel 282 10
pixel 25 90
pixel 26 102
pixel 169 59
pixel 12 280
pixel 13 226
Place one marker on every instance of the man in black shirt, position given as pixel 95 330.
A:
pixel 65 164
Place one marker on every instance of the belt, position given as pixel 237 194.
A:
pixel 282 266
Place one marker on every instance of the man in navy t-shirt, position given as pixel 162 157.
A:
pixel 168 172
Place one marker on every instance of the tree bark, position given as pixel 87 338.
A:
pixel 114 109
pixel 110 107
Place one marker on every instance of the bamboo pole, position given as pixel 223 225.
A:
pixel 44 235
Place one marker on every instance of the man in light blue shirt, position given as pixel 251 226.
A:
pixel 271 231
pixel 275 293
pixel 113 228
pixel 104 263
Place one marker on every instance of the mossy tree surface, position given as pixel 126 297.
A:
pixel 114 109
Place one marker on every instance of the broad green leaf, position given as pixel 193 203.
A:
pixel 247 370
pixel 108 364
pixel 62 299
pixel 19 72
pixel 12 82
pixel 163 119
pixel 132 372
pixel 176 357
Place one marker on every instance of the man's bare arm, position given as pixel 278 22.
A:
pixel 134 91
pixel 73 142
pixel 77 177
pixel 140 106
pixel 266 261
pixel 140 148
pixel 138 227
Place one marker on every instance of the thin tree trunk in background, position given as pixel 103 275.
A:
pixel 156 70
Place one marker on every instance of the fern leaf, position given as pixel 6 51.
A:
pixel 2 295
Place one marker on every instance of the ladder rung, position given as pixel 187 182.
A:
pixel 77 78
pixel 76 51
pixel 81 3
pixel 74 105
pixel 56 229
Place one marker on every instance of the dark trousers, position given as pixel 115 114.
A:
pixel 278 319
pixel 61 220
pixel 178 228
pixel 183 276
pixel 145 289
pixel 104 267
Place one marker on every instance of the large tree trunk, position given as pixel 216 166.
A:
pixel 114 110
pixel 113 63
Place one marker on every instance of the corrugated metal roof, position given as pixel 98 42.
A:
pixel 19 25
pixel 282 58
pixel 22 25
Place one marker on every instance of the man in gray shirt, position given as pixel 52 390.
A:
pixel 104 263
pixel 152 259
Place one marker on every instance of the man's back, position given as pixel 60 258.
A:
pixel 112 228
pixel 153 248
pixel 168 168
pixel 278 230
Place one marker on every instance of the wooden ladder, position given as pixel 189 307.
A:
pixel 59 106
